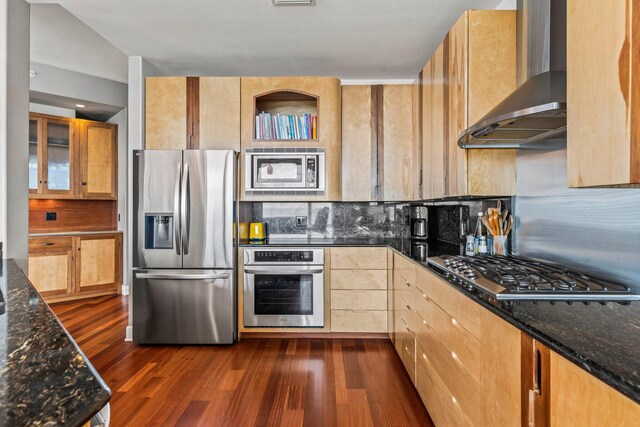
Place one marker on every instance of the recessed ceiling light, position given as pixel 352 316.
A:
pixel 293 2
pixel 80 105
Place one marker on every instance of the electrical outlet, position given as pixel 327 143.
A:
pixel 301 221
pixel 50 216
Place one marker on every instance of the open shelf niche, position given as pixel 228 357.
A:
pixel 286 115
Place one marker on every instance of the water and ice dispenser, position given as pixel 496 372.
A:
pixel 158 231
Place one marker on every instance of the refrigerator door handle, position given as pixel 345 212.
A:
pixel 182 276
pixel 176 210
pixel 186 206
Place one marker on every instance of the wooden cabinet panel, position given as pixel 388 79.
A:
pixel 166 113
pixel 51 265
pixel 99 264
pixel 464 311
pixel 571 387
pixel 405 268
pixel 501 372
pixel 358 300
pixel 443 407
pixel 99 160
pixel 358 321
pixel 219 113
pixel 603 83
pixel 358 258
pixel 397 142
pixel 359 279
pixel 416 149
pixel 358 142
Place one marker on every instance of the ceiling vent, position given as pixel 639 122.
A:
pixel 293 2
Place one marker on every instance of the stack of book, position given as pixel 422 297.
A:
pixel 286 126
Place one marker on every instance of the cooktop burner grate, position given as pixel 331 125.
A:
pixel 514 278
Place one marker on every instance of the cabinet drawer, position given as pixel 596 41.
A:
pixel 50 244
pixel 405 267
pixel 359 258
pixel 459 381
pixel 358 321
pixel 466 313
pixel 457 339
pixel 441 404
pixel 406 348
pixel 359 279
pixel 358 300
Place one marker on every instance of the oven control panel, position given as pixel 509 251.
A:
pixel 283 256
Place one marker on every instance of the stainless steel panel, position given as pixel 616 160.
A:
pixel 156 176
pixel 208 209
pixel 184 307
pixel 593 230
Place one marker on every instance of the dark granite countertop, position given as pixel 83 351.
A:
pixel 602 339
pixel 45 379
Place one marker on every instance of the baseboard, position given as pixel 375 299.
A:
pixel 326 335
pixel 128 334
pixel 124 290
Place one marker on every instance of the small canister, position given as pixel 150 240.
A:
pixel 470 247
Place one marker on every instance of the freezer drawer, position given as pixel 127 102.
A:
pixel 184 307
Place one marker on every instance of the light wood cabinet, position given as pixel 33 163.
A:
pixel 72 158
pixel 51 265
pixel 192 113
pixel 359 289
pixel 320 96
pixel 571 387
pixel 603 82
pixel 71 267
pixel 98 160
pixel 379 142
pixel 460 84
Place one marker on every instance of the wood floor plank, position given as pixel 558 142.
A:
pixel 255 382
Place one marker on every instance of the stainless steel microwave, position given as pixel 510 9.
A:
pixel 284 170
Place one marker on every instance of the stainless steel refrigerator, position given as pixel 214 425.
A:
pixel 184 251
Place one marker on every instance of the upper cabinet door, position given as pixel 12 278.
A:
pixel 219 116
pixel 35 165
pixel 358 143
pixel 98 160
pixel 58 151
pixel 166 113
pixel 603 93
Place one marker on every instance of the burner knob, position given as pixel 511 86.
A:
pixel 470 274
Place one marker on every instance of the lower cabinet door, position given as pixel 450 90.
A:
pixel 358 321
pixel 51 265
pixel 99 262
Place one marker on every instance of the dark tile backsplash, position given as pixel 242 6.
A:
pixel 449 221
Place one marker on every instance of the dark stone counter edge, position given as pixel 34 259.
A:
pixel 94 407
pixel 588 365
pixel 99 402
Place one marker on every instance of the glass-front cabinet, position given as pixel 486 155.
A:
pixel 51 152
pixel 72 158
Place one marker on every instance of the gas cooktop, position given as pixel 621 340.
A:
pixel 510 278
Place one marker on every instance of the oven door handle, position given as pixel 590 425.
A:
pixel 278 270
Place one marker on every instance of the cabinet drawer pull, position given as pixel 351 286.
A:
pixel 424 322
pixel 408 307
pixel 454 400
pixel 408 284
pixel 425 297
pixel 83 183
pixel 454 356
pixel 424 356
pixel 454 322
pixel 48 244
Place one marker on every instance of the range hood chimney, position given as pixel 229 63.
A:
pixel 537 109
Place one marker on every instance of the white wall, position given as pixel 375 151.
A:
pixel 54 111
pixel 507 4
pixel 14 128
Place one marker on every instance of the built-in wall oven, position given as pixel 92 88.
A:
pixel 283 287
pixel 284 170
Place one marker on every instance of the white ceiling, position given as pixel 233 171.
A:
pixel 350 39
pixel 59 39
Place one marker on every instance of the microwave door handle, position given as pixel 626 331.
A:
pixel 186 207
pixel 176 210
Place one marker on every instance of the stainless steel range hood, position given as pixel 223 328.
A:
pixel 537 109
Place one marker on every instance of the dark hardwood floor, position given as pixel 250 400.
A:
pixel 256 382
